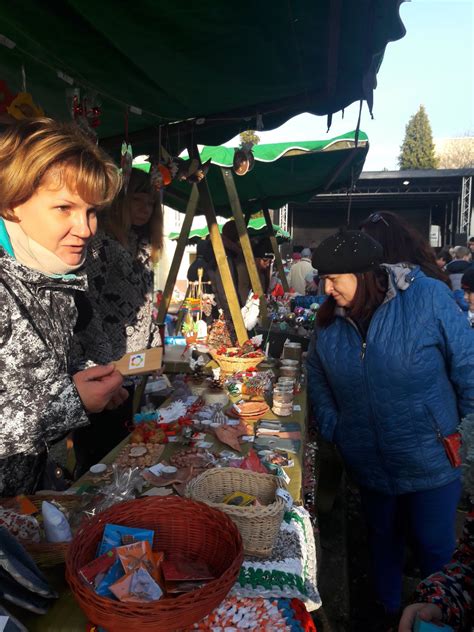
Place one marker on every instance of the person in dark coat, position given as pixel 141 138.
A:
pixel 52 181
pixel 390 374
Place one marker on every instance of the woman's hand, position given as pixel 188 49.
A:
pixel 118 399
pixel 97 386
pixel 424 611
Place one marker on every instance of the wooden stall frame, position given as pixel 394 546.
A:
pixel 245 242
pixel 223 265
pixel 276 250
pixel 178 254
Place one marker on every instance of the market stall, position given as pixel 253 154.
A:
pixel 163 79
pixel 198 424
pixel 273 175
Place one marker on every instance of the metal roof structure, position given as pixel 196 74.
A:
pixel 444 193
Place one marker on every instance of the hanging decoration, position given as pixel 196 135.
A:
pixel 244 160
pixel 198 173
pixel 126 161
pixel 194 326
pixel 160 176
pixel 23 107
pixel 85 111
pixel 251 311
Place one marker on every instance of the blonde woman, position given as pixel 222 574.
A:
pixel 53 181
pixel 120 264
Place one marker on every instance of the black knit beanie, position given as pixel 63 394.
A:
pixel 467 280
pixel 348 251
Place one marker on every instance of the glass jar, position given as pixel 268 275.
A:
pixel 292 351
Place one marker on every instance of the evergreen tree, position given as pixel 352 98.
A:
pixel 417 150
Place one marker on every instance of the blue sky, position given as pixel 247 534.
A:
pixel 433 65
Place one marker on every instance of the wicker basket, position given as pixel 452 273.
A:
pixel 235 364
pixel 258 525
pixel 44 553
pixel 183 529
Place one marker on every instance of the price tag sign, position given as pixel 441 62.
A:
pixel 296 407
pixel 286 497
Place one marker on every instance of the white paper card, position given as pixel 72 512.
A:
pixel 286 496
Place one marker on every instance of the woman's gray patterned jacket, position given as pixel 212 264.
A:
pixel 39 403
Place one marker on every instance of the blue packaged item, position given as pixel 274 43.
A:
pixel 114 535
pixel 175 340
pixel 114 574
pixel 425 626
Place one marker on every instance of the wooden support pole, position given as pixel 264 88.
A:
pixel 245 242
pixel 178 255
pixel 223 265
pixel 276 250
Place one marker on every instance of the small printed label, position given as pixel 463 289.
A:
pixel 137 361
pixel 248 438
pixel 297 407
pixel 286 497
pixel 282 474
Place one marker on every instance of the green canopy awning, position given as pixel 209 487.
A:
pixel 283 172
pixel 209 69
pixel 257 227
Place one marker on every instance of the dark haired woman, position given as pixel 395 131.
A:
pixel 390 374
pixel 402 243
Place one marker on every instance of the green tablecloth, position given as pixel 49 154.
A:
pixel 65 615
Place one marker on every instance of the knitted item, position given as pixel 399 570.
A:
pixel 121 291
pixel 290 571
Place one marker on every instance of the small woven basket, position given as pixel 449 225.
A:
pixel 235 364
pixel 258 525
pixel 44 553
pixel 183 529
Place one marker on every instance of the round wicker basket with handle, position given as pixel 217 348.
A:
pixel 184 529
pixel 233 364
pixel 258 525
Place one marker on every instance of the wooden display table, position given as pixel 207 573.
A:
pixel 65 615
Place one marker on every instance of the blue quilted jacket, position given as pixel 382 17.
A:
pixel 388 403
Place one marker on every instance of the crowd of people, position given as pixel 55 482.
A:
pixel 390 367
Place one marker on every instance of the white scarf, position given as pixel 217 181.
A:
pixel 35 256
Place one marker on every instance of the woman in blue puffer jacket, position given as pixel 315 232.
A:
pixel 390 375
